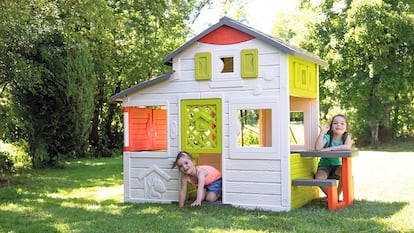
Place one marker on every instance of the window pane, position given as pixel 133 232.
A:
pixel 297 128
pixel 255 127
pixel 227 64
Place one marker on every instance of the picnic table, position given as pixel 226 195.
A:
pixel 346 176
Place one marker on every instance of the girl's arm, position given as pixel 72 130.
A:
pixel 320 141
pixel 346 146
pixel 202 173
pixel 183 191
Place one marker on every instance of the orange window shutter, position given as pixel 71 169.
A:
pixel 140 129
pixel 159 129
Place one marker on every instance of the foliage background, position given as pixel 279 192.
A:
pixel 369 48
pixel 60 61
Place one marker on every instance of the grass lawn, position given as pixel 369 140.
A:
pixel 87 196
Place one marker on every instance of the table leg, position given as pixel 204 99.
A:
pixel 347 181
pixel 332 198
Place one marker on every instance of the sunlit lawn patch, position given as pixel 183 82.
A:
pixel 87 196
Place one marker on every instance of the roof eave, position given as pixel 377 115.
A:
pixel 118 98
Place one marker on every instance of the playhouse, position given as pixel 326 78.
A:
pixel 237 99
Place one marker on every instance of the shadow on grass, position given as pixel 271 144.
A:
pixel 60 200
pixel 47 202
pixel 364 216
pixel 402 145
pixel 39 212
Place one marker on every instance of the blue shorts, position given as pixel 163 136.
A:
pixel 329 170
pixel 214 187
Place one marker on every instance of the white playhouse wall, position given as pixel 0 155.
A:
pixel 252 177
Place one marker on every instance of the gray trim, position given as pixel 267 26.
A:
pixel 272 41
pixel 119 96
pixel 327 154
pixel 314 182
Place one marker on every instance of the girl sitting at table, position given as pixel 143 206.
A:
pixel 334 137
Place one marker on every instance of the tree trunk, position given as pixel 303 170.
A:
pixel 374 135
pixel 94 139
pixel 94 134
pixel 109 130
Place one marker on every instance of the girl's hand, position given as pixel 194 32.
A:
pixel 327 149
pixel 324 128
pixel 196 203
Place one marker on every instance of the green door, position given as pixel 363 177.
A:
pixel 201 125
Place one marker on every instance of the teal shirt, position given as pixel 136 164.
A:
pixel 330 161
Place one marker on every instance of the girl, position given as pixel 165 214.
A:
pixel 207 179
pixel 334 137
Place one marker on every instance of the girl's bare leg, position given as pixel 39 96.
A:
pixel 212 196
pixel 322 175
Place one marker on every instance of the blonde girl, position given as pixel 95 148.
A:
pixel 207 178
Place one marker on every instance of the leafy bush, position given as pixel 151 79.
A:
pixel 6 164
pixel 55 99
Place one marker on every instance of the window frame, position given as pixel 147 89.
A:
pixel 305 106
pixel 218 65
pixel 304 129
pixel 270 152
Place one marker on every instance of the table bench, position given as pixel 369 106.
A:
pixel 314 182
pixel 331 185
pixel 347 178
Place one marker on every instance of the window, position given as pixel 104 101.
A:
pixel 255 127
pixel 303 124
pixel 225 65
pixel 297 128
pixel 146 128
pixel 228 66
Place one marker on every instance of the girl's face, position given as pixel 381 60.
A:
pixel 186 165
pixel 339 125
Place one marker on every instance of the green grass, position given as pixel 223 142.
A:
pixel 87 196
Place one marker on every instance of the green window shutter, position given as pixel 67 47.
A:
pixel 249 63
pixel 203 66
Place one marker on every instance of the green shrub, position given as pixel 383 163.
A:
pixel 6 164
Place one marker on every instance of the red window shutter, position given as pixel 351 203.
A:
pixel 140 129
pixel 147 129
pixel 159 119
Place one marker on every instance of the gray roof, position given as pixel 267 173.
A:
pixel 272 41
pixel 118 97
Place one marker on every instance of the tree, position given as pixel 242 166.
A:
pixel 369 47
pixel 56 109
pixel 214 10
pixel 48 81
pixel 46 46
pixel 144 33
